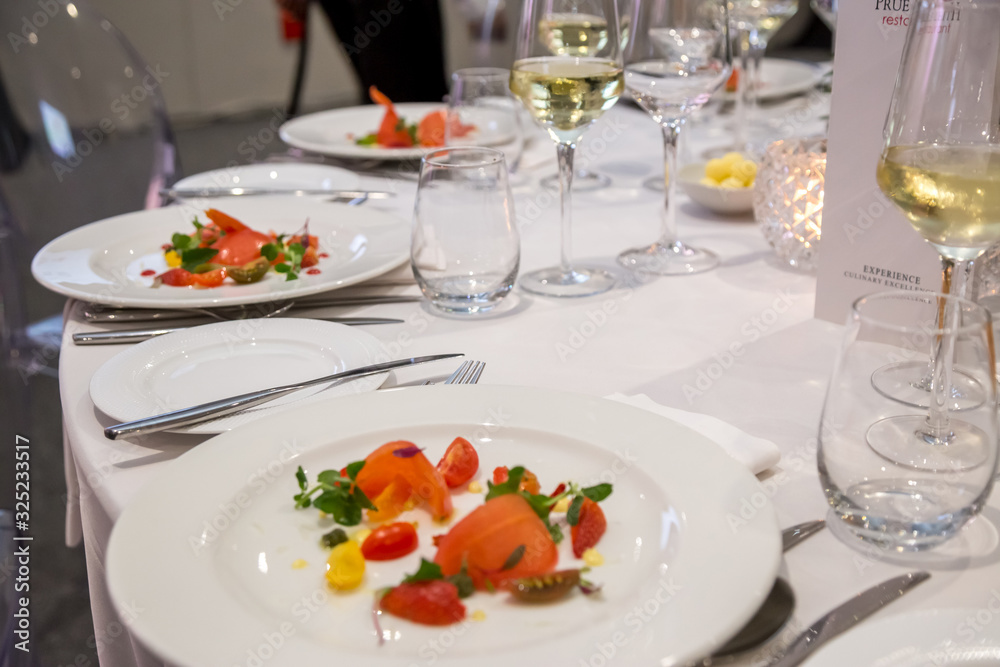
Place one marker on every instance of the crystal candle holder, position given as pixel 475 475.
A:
pixel 788 199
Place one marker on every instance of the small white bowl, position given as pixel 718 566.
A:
pixel 729 201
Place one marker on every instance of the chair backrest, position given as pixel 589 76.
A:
pixel 83 135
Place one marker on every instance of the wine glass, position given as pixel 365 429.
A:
pixel 567 72
pixel 754 22
pixel 679 54
pixel 481 112
pixel 941 166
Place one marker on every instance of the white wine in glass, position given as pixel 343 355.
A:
pixel 941 166
pixel 678 56
pixel 567 73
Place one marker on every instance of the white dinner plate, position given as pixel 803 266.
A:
pixel 212 550
pixel 103 262
pixel 780 78
pixel 930 638
pixel 292 176
pixel 334 132
pixel 215 361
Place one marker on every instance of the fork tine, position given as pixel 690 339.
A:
pixel 469 374
pixel 455 377
pixel 477 371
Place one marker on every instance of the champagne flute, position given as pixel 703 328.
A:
pixel 941 166
pixel 679 54
pixel 567 72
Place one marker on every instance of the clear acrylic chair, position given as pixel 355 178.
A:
pixel 83 136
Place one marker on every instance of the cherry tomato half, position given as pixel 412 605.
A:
pixel 390 541
pixel 459 463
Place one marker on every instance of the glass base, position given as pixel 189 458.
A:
pixel 907 440
pixel 576 282
pixel 879 531
pixel 466 295
pixel 583 181
pixel 655 183
pixel 909 382
pixel 668 260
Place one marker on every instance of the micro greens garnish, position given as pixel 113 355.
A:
pixel 192 258
pixel 339 496
pixel 513 559
pixel 291 254
pixel 542 504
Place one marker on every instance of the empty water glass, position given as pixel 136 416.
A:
pixel 894 475
pixel 482 112
pixel 466 248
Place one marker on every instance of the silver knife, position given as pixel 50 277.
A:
pixel 227 406
pixel 848 615
pixel 194 193
pixel 99 313
pixel 794 534
pixel 138 335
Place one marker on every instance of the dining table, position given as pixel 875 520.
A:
pixel 739 343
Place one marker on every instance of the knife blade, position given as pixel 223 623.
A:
pixel 139 335
pixel 848 615
pixel 795 534
pixel 99 313
pixel 208 193
pixel 226 406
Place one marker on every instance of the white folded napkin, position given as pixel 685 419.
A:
pixel 756 454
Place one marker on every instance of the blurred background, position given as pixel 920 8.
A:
pixel 221 76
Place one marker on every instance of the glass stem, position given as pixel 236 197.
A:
pixel 671 135
pixel 957 280
pixel 565 153
pixel 756 55
pixel 742 49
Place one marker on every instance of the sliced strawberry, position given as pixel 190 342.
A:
pixel 426 602
pixel 176 278
pixel 589 528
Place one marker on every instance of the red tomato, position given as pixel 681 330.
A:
pixel 588 530
pixel 501 474
pixel 238 248
pixel 427 602
pixel 226 223
pixel 559 489
pixel 209 278
pixel 392 501
pixel 382 466
pixel 390 541
pixel 487 537
pixel 459 463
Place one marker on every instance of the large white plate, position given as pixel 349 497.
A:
pixel 207 550
pixel 274 175
pixel 334 132
pixel 781 78
pixel 102 262
pixel 215 361
pixel 932 638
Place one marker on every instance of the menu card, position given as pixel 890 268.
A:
pixel 867 246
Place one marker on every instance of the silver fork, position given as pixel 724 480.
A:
pixel 467 373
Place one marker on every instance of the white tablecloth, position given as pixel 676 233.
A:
pixel 738 343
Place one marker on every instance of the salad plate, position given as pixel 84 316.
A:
pixel 685 563
pixel 929 638
pixel 214 361
pixel 336 132
pixel 105 262
pixel 290 175
pixel 780 77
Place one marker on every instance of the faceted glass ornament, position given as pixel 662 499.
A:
pixel 788 199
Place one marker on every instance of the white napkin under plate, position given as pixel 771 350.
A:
pixel 756 454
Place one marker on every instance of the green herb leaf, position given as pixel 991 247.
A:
pixel 367 140
pixel 489 586
pixel 270 251
pixel 194 257
pixel 340 505
pixel 354 468
pixel 555 532
pixel 428 571
pixel 291 275
pixel 541 504
pixel 510 486
pixel 282 268
pixel 181 241
pixel 300 476
pixel 328 477
pixel 400 124
pixel 333 538
pixel 598 492
pixel 412 130
pixel 197 225
pixel 514 558
pixel 463 582
pixel 573 513
pixel 362 500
